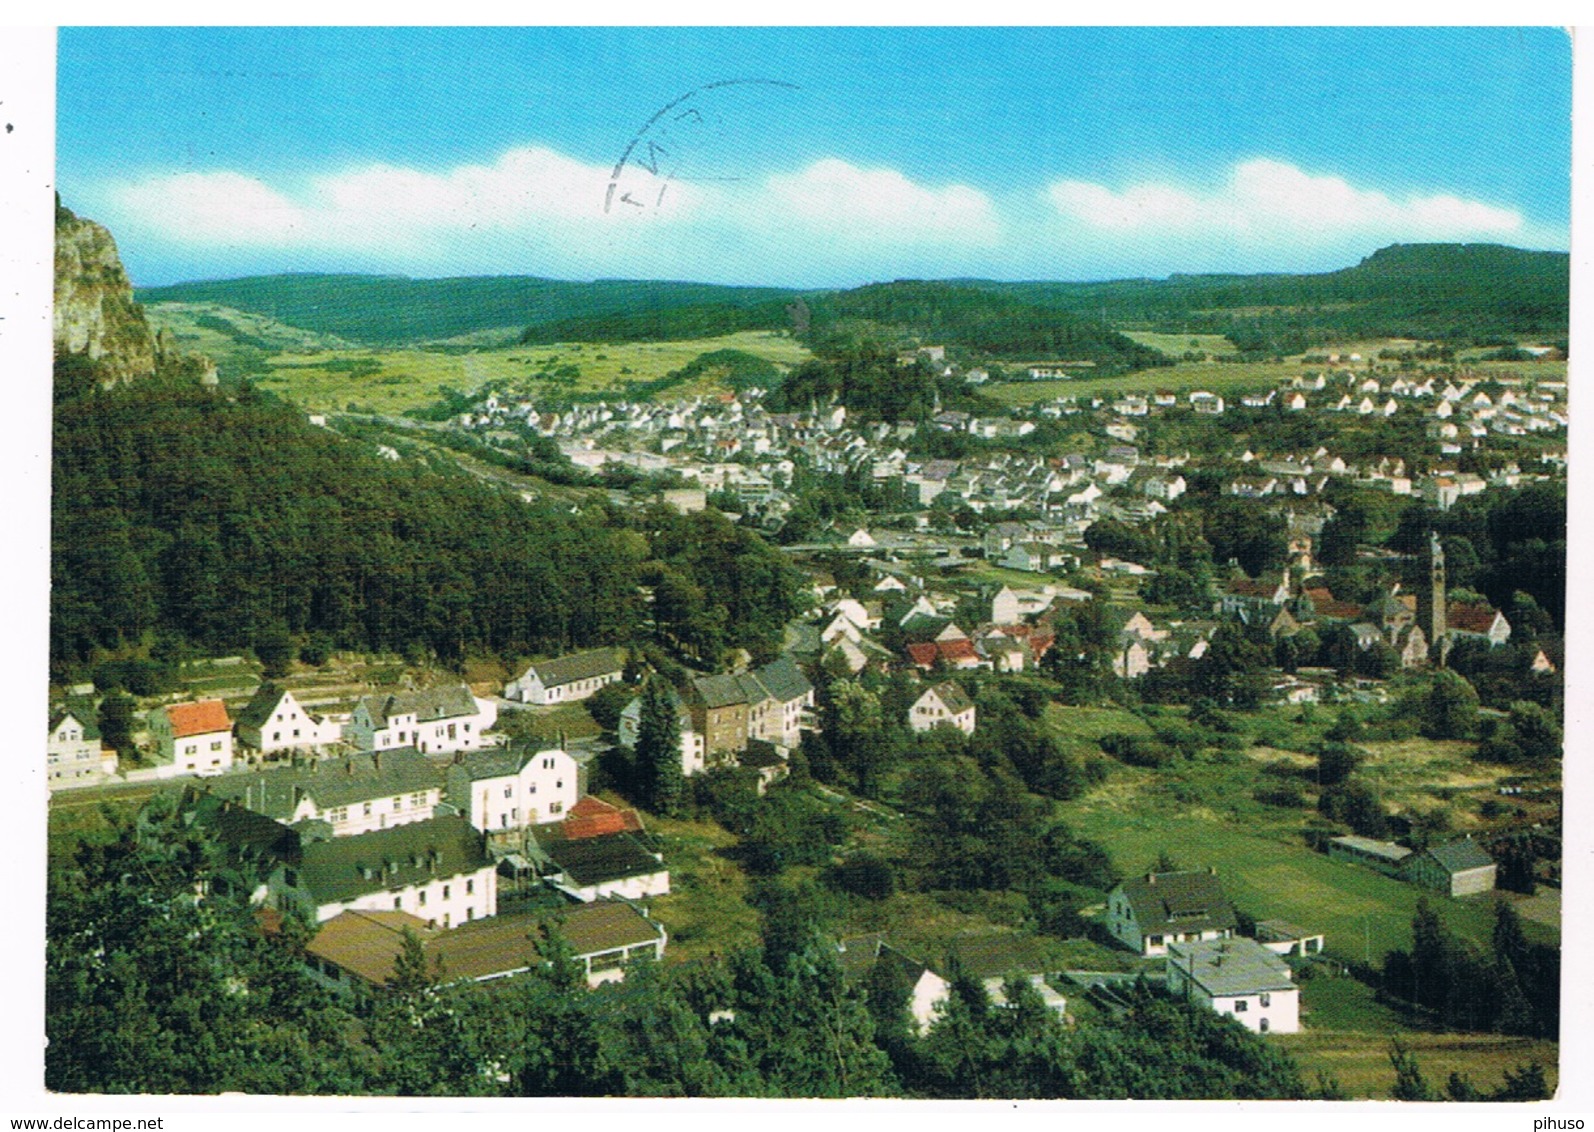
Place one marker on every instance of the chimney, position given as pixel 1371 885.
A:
pixel 376 760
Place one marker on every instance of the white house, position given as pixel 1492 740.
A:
pixel 567 679
pixel 1147 913
pixel 275 721
pixel 438 870
pixel 353 794
pixel 944 705
pixel 436 721
pixel 75 757
pixel 196 737
pixel 513 787
pixel 1239 978
pixel 609 865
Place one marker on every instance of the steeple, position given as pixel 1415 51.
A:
pixel 1431 607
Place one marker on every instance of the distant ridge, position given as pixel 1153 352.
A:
pixel 395 309
pixel 1458 292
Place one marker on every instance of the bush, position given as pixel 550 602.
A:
pixel 863 874
pixel 606 704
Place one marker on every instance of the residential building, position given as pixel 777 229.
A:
pixel 610 864
pixel 512 787
pixel 74 754
pixel 195 737
pixel 568 678
pixel 435 721
pixel 1238 978
pixel 944 705
pixel 352 794
pixel 1147 913
pixel 693 751
pixel 358 950
pixel 274 721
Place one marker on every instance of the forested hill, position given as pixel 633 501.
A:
pixel 988 322
pixel 217 521
pixel 394 309
pixel 1459 293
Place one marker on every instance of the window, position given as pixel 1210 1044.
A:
pixel 556 808
pixel 417 800
pixel 275 735
pixel 1266 999
pixel 470 913
pixel 470 887
pixel 451 731
pixel 446 890
pixel 215 744
pixel 368 809
pixel 1241 1006
pixel 421 899
pixel 398 803
pixel 1263 1026
pixel 509 792
pixel 398 903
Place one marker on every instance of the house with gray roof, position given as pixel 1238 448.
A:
pixel 567 679
pixel 434 721
pixel 609 865
pixel 771 703
pixel 74 754
pixel 1238 978
pixel 438 870
pixel 1458 868
pixel 352 794
pixel 1147 913
pixel 274 720
pixel 943 705
pixel 506 789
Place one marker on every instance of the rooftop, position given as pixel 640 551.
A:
pixel 200 718
pixel 579 666
pixel 1231 966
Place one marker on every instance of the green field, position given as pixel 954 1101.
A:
pixel 1202 813
pixel 400 379
pixel 1226 378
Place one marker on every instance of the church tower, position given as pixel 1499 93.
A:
pixel 1431 597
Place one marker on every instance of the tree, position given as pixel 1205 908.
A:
pixel 1409 1083
pixel 1336 762
pixel 1450 708
pixel 116 721
pixel 274 650
pixel 658 750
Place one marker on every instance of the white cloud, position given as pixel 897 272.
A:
pixel 537 211
pixel 1265 201
pixel 882 205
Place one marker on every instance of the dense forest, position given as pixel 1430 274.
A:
pixel 223 520
pixel 1462 294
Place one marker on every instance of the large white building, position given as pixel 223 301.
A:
pixel 1239 978
pixel 436 721
pixel 196 738
pixel 567 679
pixel 513 787
pixel 438 870
pixel 353 794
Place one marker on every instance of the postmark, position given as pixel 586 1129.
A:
pixel 681 142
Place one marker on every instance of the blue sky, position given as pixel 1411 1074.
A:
pixel 1007 153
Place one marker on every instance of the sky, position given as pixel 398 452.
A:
pixel 808 157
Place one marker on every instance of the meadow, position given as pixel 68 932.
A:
pixel 393 380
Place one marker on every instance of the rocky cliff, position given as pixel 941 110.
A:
pixel 96 318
